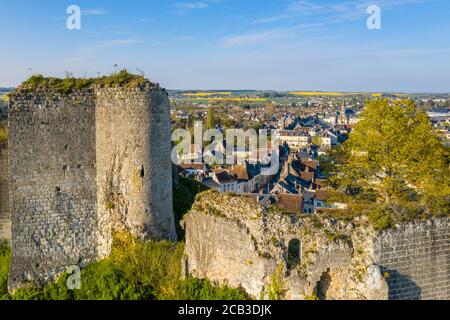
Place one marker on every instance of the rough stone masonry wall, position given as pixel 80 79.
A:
pixel 236 241
pixel 52 183
pixel 416 256
pixel 5 218
pixel 232 240
pixel 134 168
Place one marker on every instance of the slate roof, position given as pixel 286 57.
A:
pixel 224 177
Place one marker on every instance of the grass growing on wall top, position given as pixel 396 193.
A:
pixel 118 79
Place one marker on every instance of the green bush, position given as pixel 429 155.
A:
pixel 380 218
pixel 136 270
pixel 5 258
pixel 201 289
pixel 183 198
pixel 275 290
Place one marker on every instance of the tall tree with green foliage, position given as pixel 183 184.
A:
pixel 211 120
pixel 394 158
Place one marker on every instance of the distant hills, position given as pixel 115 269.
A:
pixel 6 90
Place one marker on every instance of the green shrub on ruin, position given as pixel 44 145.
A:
pixel 5 259
pixel 184 196
pixel 275 290
pixel 135 270
pixel 311 298
pixel 69 84
pixel 202 289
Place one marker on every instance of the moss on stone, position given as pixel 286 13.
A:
pixel 122 79
pixel 333 236
pixel 3 138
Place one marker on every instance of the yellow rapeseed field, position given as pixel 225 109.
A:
pixel 316 93
pixel 237 99
pixel 206 94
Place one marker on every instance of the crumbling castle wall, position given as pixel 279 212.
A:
pixel 236 241
pixel 52 183
pixel 416 260
pixel 5 218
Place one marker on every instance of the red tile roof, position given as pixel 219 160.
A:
pixel 321 195
pixel 307 176
pixel 289 202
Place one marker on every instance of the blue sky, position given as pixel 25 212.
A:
pixel 234 44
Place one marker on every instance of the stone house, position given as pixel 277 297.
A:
pixel 226 181
pixel 296 140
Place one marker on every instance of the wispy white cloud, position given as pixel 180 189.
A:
pixel 118 43
pixel 185 7
pixel 273 18
pixel 191 5
pixel 253 38
pixel 307 7
pixel 346 11
pixel 94 12
pixel 92 48
pixel 268 36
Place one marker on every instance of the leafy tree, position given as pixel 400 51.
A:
pixel 317 140
pixel 211 119
pixel 394 153
pixel 269 110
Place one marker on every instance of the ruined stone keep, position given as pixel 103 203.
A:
pixel 5 220
pixel 235 240
pixel 82 164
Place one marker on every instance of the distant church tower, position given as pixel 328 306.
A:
pixel 342 115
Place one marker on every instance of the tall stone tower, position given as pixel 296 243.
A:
pixel 86 157
pixel 134 168
pixel 52 187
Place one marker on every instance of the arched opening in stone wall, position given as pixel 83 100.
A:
pixel 294 253
pixel 323 285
